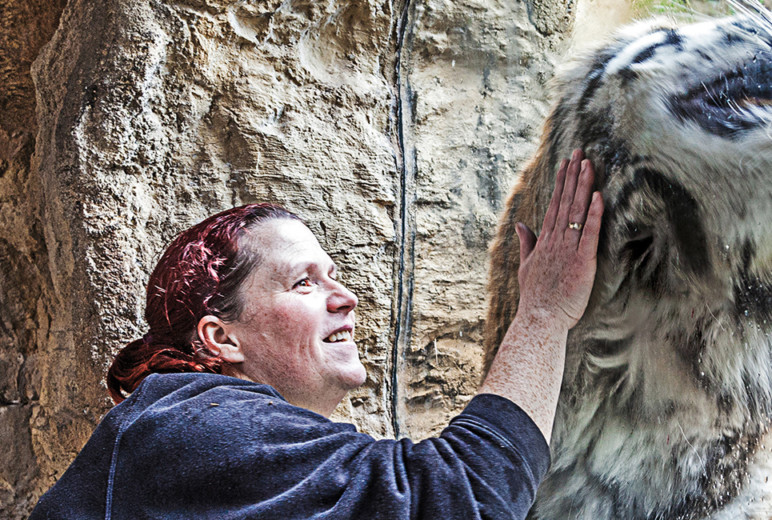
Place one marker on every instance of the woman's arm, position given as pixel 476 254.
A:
pixel 556 274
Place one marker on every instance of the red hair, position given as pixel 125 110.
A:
pixel 198 275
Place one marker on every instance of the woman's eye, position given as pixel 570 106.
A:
pixel 305 282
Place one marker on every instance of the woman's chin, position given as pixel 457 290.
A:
pixel 343 361
pixel 353 375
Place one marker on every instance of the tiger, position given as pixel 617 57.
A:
pixel 665 405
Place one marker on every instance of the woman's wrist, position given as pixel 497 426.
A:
pixel 548 319
pixel 528 367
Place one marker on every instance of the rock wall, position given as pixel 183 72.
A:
pixel 26 309
pixel 394 127
pixel 476 73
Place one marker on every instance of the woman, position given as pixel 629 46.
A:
pixel 224 403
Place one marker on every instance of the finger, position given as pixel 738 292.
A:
pixel 527 240
pixel 578 211
pixel 588 245
pixel 569 189
pixel 552 210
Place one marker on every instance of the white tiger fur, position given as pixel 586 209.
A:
pixel 667 393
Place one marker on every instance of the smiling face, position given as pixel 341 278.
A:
pixel 297 325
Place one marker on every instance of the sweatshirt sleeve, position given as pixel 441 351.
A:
pixel 487 464
pixel 254 456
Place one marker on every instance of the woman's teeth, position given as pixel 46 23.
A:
pixel 343 335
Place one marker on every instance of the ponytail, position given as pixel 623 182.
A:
pixel 140 358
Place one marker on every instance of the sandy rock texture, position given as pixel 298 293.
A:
pixel 476 71
pixel 395 128
pixel 26 307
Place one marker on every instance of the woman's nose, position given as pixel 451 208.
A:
pixel 341 299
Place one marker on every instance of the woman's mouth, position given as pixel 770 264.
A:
pixel 337 337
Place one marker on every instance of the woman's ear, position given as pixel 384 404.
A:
pixel 218 340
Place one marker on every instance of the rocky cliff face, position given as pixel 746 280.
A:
pixel 395 128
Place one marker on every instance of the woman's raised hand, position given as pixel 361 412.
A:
pixel 557 269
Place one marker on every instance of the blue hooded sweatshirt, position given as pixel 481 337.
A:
pixel 186 446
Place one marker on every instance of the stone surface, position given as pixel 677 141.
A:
pixel 476 71
pixel 395 128
pixel 24 283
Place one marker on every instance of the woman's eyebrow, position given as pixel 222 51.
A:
pixel 294 268
pixel 300 267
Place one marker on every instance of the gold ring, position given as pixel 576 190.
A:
pixel 575 225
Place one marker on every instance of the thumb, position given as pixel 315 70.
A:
pixel 527 240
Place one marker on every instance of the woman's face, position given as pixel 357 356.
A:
pixel 296 330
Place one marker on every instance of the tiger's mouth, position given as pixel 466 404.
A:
pixel 732 104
